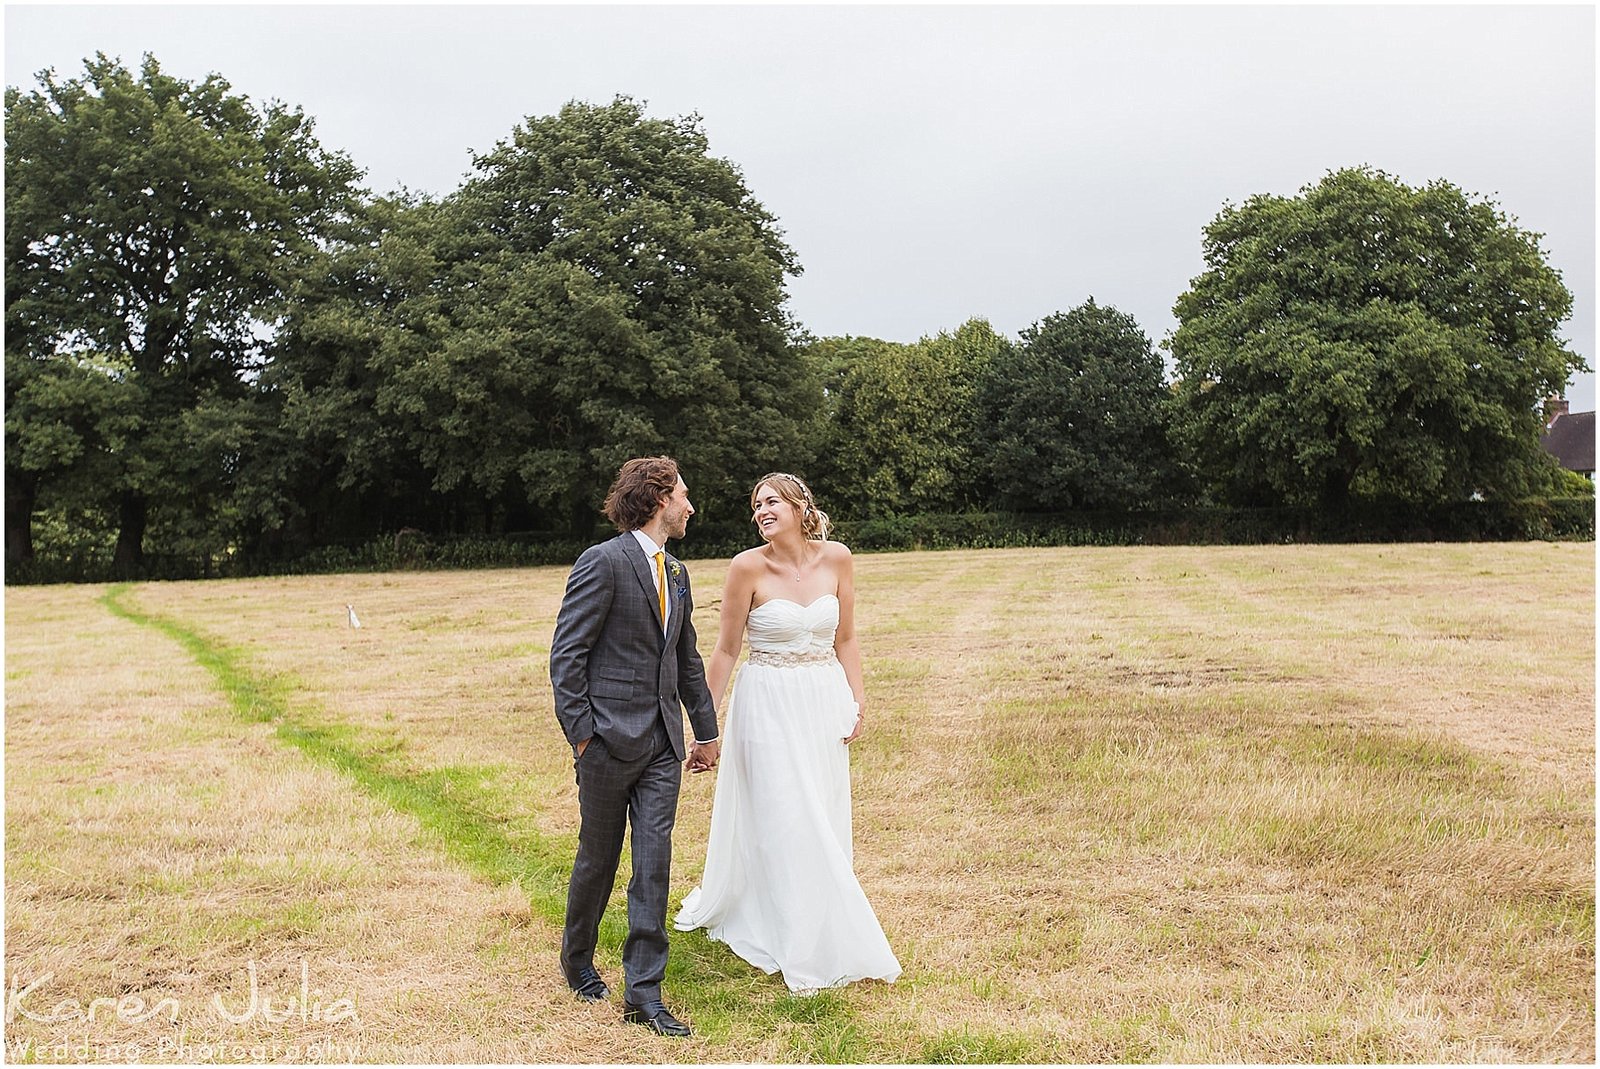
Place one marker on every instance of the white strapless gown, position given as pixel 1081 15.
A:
pixel 778 887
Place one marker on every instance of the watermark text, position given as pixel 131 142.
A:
pixel 305 1004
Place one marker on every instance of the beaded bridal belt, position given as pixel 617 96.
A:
pixel 781 659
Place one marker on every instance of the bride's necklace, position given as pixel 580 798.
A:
pixel 791 568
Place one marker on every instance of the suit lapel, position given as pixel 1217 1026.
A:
pixel 644 568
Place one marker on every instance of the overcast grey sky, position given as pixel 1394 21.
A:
pixel 929 164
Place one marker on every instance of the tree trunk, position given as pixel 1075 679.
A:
pixel 581 518
pixel 22 490
pixel 134 514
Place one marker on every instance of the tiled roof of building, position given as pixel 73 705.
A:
pixel 1571 439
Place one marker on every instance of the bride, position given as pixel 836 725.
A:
pixel 778 887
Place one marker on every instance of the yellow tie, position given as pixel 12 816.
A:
pixel 661 585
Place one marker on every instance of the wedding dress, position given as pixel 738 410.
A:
pixel 778 887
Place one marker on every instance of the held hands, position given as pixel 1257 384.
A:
pixel 703 756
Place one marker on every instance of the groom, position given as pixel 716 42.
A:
pixel 624 666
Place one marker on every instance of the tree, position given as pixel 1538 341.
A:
pixel 1368 339
pixel 1074 415
pixel 829 361
pixel 652 286
pixel 66 421
pixel 153 226
pixel 352 459
pixel 601 287
pixel 905 419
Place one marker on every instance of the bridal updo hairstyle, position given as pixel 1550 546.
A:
pixel 638 490
pixel 813 521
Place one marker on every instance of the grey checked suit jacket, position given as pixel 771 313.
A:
pixel 614 673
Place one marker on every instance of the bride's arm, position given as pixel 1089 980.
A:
pixel 844 639
pixel 736 595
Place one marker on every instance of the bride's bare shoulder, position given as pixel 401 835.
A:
pixel 749 560
pixel 836 551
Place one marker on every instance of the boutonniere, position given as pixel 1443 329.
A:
pixel 675 572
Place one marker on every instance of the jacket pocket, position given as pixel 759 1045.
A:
pixel 611 681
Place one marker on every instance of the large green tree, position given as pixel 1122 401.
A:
pixel 66 424
pixel 600 287
pixel 904 420
pixel 1369 339
pixel 353 451
pixel 153 227
pixel 1075 415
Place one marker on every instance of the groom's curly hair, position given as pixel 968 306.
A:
pixel 638 490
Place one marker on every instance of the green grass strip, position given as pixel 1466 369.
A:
pixel 729 1001
pixel 466 832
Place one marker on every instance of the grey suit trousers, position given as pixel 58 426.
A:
pixel 612 793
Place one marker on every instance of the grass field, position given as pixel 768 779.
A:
pixel 1293 803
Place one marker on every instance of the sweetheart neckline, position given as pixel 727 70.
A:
pixel 791 601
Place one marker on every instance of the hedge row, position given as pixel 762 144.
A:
pixel 1469 521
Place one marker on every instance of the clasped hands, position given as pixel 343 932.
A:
pixel 703 756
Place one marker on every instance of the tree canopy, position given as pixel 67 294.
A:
pixel 1369 339
pixel 220 349
pixel 153 227
pixel 602 287
pixel 904 420
pixel 1074 416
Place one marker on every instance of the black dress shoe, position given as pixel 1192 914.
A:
pixel 588 985
pixel 654 1016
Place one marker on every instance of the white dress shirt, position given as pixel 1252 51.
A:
pixel 650 548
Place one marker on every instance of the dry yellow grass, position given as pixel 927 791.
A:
pixel 1177 804
pixel 156 846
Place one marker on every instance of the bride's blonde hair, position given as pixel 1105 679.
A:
pixel 813 521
